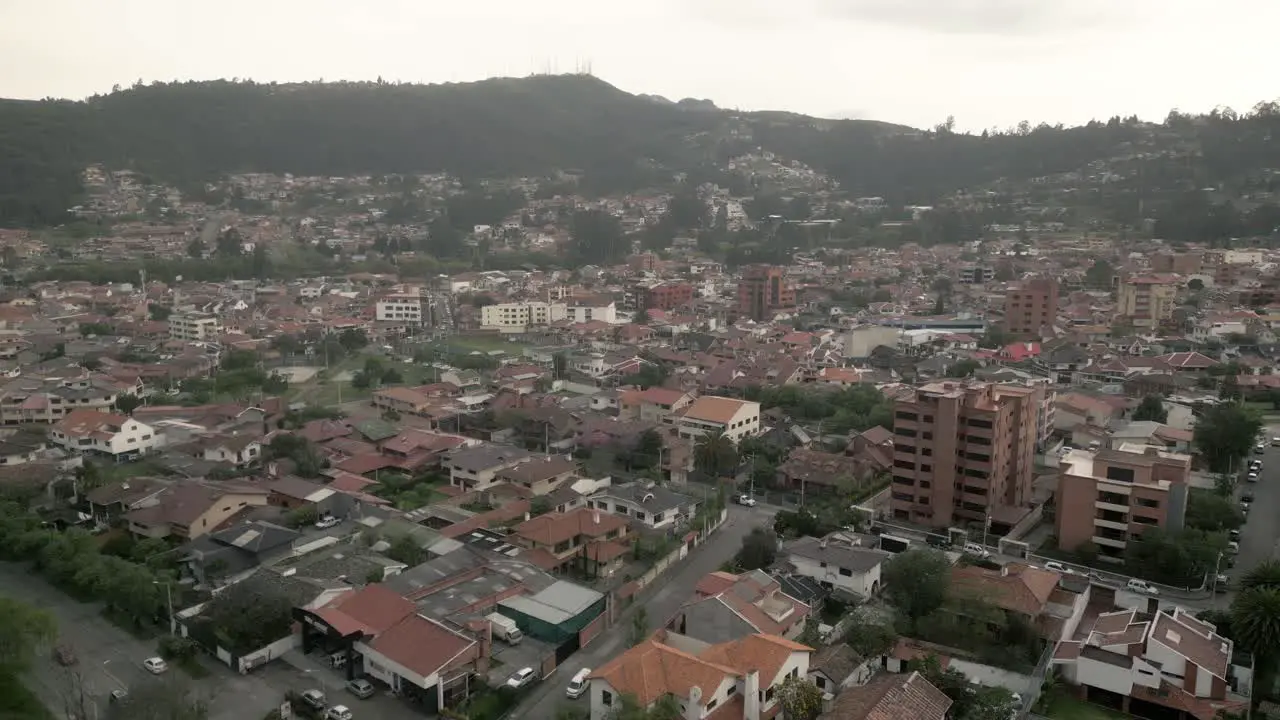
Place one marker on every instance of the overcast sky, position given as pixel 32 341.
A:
pixel 987 62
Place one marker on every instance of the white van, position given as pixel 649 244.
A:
pixel 578 685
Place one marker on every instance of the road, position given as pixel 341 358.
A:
pixel 660 601
pixel 1261 532
pixel 111 658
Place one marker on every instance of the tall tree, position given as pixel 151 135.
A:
pixel 800 699
pixel 916 582
pixel 1255 621
pixel 1151 408
pixel 1225 434
pixel 23 630
pixel 715 455
pixel 1265 575
pixel 759 548
pixel 639 631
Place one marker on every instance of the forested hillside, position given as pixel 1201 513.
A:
pixel 185 133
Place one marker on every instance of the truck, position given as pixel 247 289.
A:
pixel 505 628
pixel 893 543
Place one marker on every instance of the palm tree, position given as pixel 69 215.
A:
pixel 715 454
pixel 1255 621
pixel 1265 575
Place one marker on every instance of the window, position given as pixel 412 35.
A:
pixel 711 705
pixel 732 689
pixel 904 464
pixel 1147 502
pixel 606 698
pixel 820 682
pixel 900 480
pixel 1120 474
pixel 846 572
pixel 905 432
pixel 910 449
pixel 905 415
pixel 982 424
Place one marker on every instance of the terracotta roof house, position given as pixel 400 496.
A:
pixel 1044 598
pixel 891 697
pixel 736 419
pixel 727 607
pixel 590 537
pixel 91 431
pixel 192 508
pixel 736 680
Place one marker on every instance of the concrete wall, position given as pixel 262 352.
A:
pixel 994 676
pixel 269 653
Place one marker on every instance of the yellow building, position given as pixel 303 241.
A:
pixel 1147 301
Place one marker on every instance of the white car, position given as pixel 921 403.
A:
pixel 155 665
pixel 338 712
pixel 327 522
pixel 520 678
pixel 976 550
pixel 1141 586
pixel 1233 547
pixel 1252 477
pixel 747 500
pixel 1059 567
pixel 578 685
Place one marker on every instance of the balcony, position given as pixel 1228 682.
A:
pixel 1108 542
pixel 1100 505
pixel 1112 524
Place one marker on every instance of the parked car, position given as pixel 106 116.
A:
pixel 327 522
pixel 338 712
pixel 976 550
pixel 119 696
pixel 1234 535
pixel 155 665
pixel 578 685
pixel 938 541
pixel 1059 567
pixel 1222 584
pixel 361 688
pixel 315 699
pixel 1260 448
pixel 1252 477
pixel 1233 547
pixel 64 654
pixel 521 678
pixel 1141 586
pixel 1275 442
pixel 745 499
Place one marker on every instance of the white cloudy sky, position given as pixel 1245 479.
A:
pixel 988 62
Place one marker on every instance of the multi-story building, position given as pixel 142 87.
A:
pixel 1108 497
pixel 735 419
pixel 194 327
pixel 404 308
pixel 1162 663
pixel 976 274
pixel 1146 301
pixel 588 309
pixel 1031 307
pixel 26 399
pixel 965 452
pixel 665 296
pixel 91 431
pixel 515 317
pixel 762 290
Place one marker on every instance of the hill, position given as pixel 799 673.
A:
pixel 185 133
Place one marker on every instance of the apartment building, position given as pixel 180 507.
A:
pixel 665 296
pixel 1031 307
pixel 736 419
pixel 976 274
pixel 406 308
pixel 1146 301
pixel 515 317
pixel 194 327
pixel 762 290
pixel 588 309
pixel 1165 663
pixel 27 400
pixel 965 452
pixel 1109 497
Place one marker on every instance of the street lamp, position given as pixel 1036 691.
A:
pixel 168 595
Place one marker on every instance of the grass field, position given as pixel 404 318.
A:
pixel 485 343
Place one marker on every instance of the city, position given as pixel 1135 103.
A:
pixel 744 443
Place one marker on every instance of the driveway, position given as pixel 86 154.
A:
pixel 111 658
pixel 672 589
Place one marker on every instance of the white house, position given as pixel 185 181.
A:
pixel 736 419
pixel 404 308
pixel 702 677
pixel 653 505
pixel 105 433
pixel 836 563
pixel 582 310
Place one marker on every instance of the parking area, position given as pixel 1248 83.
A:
pixel 297 672
pixel 510 658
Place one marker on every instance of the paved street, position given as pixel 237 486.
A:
pixel 671 591
pixel 110 658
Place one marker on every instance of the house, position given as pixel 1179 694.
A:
pixel 653 505
pixel 891 697
pixel 1162 664
pixel 540 475
pixel 226 555
pixel 477 467
pixel 292 492
pixel 728 607
pixel 740 679
pixel 557 540
pixel 91 431
pixel 1045 599
pixel 837 562
pixel 735 419
pixel 839 666
pixel 656 403
pixel 382 635
pixel 192 508
pixel 813 471
pixel 237 450
pixel 112 500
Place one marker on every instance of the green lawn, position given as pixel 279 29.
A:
pixel 485 343
pixel 17 701
pixel 1065 707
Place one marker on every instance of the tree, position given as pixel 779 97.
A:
pixel 540 505
pixel 23 630
pixel 159 313
pixel 916 582
pixel 596 237
pixel 1151 408
pixel 715 455
pixel 1255 622
pixel 1195 285
pixel 759 548
pixel 195 248
pixel 639 631
pixel 245 617
pixel 127 402
pixel 869 636
pixel 560 366
pixel 1225 433
pixel 170 698
pixel 800 699
pixel 1099 275
pixel 1265 575
pixel 1209 511
pixel 963 369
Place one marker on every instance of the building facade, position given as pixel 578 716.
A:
pixel 1109 497
pixel 1031 307
pixel 1147 301
pixel 665 296
pixel 964 452
pixel 194 327
pixel 515 317
pixel 762 290
pixel 402 308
